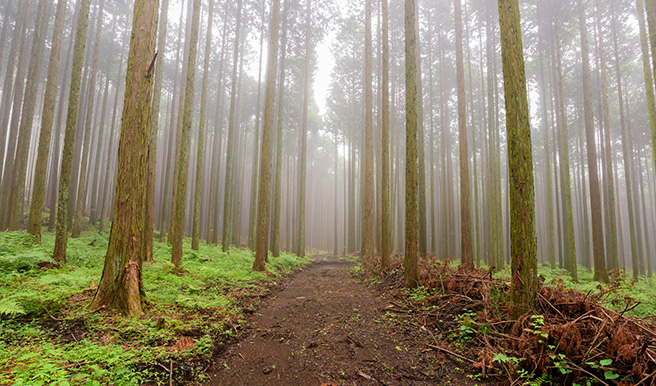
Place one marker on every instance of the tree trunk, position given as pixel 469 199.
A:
pixel 121 286
pixel 3 35
pixel 195 234
pixel 648 74
pixel 217 152
pixel 277 190
pixel 16 51
pixel 263 208
pixel 411 166
pixel 564 149
pixel 178 124
pixel 466 257
pixel 595 193
pixel 16 107
pixel 228 199
pixel 421 158
pixel 61 238
pixel 386 242
pixel 607 151
pixel 256 143
pixel 496 214
pixel 183 160
pixel 111 149
pixel 300 242
pixel 167 188
pixel 38 193
pixel 524 283
pixel 368 252
pixel 149 205
pixel 81 193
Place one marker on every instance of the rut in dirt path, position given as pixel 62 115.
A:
pixel 327 326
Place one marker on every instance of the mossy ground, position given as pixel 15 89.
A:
pixel 47 335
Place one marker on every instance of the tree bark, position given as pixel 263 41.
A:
pixel 252 229
pixel 466 257
pixel 264 195
pixel 228 199
pixel 183 156
pixel 277 190
pixel 38 193
pixel 195 234
pixel 300 241
pixel 61 238
pixel 16 51
pixel 600 273
pixel 524 283
pixel 385 156
pixel 648 74
pixel 149 205
pixel 368 252
pixel 121 286
pixel 412 168
pixel 81 193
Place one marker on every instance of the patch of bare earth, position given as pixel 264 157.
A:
pixel 328 327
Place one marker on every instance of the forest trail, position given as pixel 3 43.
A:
pixel 328 327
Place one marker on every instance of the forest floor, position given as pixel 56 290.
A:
pixel 328 327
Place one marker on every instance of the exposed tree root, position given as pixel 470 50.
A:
pixel 570 338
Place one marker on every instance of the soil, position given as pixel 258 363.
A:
pixel 327 327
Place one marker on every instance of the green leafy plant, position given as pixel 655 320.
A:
pixel 9 307
pixel 467 328
pixel 604 365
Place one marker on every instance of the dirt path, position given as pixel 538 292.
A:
pixel 328 327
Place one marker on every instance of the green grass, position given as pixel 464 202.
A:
pixel 617 294
pixel 48 337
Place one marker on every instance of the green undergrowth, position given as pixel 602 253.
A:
pixel 621 292
pixel 48 337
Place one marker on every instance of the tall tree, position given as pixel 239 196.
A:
pixel 217 152
pixel 626 152
pixel 183 161
pixel 300 230
pixel 465 202
pixel 227 200
pixel 9 90
pixel 38 193
pixel 9 5
pixel 149 205
pixel 195 234
pixel 121 286
pixel 595 192
pixel 264 203
pixel 277 190
pixel 386 242
pixel 368 252
pixel 81 193
pixel 16 200
pixel 565 176
pixel 14 124
pixel 648 74
pixel 520 162
pixel 166 207
pixel 411 162
pixel 611 223
pixel 109 172
pixel 252 229
pixel 61 238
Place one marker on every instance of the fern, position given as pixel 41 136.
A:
pixel 10 307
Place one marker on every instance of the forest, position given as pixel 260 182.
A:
pixel 196 191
